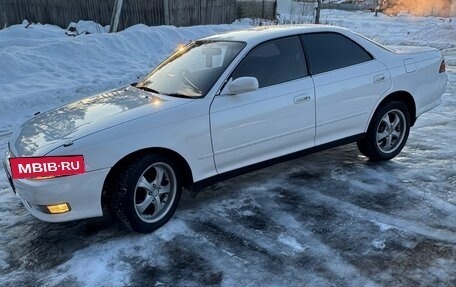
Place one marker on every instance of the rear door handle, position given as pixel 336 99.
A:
pixel 301 99
pixel 379 78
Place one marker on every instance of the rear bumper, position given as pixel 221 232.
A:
pixel 436 98
pixel 429 93
pixel 82 192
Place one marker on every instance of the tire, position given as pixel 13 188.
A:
pixel 387 133
pixel 146 193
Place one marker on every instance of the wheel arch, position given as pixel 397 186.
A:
pixel 404 97
pixel 179 160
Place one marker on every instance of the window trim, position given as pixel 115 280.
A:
pixel 308 74
pixel 336 33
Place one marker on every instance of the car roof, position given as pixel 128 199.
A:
pixel 264 33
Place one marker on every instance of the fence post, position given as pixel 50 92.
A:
pixel 115 16
pixel 317 11
pixel 166 11
pixel 262 10
pixel 199 12
pixel 3 17
pixel 275 10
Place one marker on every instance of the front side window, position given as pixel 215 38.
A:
pixel 332 51
pixel 274 62
pixel 192 70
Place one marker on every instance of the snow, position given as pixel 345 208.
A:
pixel 41 59
pixel 291 242
pixel 378 244
pixel 85 27
pixel 328 219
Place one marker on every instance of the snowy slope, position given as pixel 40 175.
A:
pixel 329 219
pixel 42 67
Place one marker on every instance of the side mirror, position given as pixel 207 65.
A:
pixel 242 85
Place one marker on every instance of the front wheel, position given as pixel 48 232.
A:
pixel 147 193
pixel 387 132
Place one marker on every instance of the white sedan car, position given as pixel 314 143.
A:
pixel 220 106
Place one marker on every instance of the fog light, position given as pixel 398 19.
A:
pixel 442 67
pixel 58 208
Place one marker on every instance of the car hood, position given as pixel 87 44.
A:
pixel 49 130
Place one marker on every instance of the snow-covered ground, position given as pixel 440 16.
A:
pixel 328 219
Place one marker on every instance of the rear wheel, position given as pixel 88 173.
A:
pixel 146 193
pixel 387 132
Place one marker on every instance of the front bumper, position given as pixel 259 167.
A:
pixel 82 192
pixel 6 166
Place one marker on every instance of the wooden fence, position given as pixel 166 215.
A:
pixel 265 9
pixel 149 12
pixel 199 12
pixel 349 5
pixel 368 5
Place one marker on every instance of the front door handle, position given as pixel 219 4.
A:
pixel 301 99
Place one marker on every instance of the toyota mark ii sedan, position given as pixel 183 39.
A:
pixel 218 107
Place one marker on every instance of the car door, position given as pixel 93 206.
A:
pixel 348 82
pixel 276 119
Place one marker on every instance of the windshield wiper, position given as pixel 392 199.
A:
pixel 147 89
pixel 178 95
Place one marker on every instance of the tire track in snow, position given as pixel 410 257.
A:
pixel 399 223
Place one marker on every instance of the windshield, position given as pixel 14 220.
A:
pixel 192 70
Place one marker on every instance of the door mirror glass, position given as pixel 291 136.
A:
pixel 242 85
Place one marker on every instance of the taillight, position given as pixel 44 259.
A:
pixel 442 67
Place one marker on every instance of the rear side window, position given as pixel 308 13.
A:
pixel 332 51
pixel 274 62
